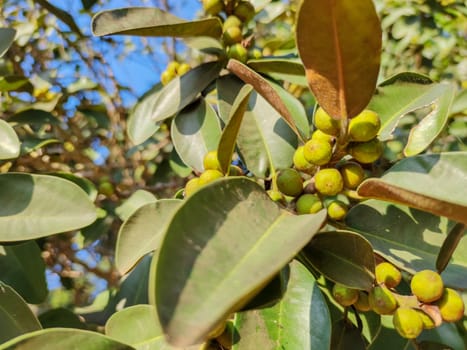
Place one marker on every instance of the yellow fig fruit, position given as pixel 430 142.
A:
pixel 427 286
pixel 184 68
pixel 326 123
pixel 213 7
pixel 317 152
pixel 407 323
pixel 232 35
pixel 451 306
pixel 172 67
pixel 244 10
pixel 308 204
pixel 382 301
pixel 364 126
pixel 238 52
pixel 352 174
pixel 366 152
pixel 363 303
pixel 166 77
pixel 209 176
pixel 388 274
pixel 427 321
pixel 300 163
pixel 337 210
pixel 191 186
pixel 329 182
pixel 319 135
pixel 343 295
pixel 289 182
pixel 232 21
pixel 210 161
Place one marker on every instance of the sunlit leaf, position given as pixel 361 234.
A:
pixel 61 317
pixel 449 246
pixel 287 69
pixel 133 203
pixel 9 141
pixel 6 39
pixel 15 83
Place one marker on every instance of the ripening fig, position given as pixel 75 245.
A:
pixel 388 274
pixel 244 10
pixel 209 176
pixel 232 21
pixel 329 182
pixel 289 182
pixel 166 77
pixel 210 161
pixel 184 68
pixel 256 54
pixel 300 163
pixel 232 35
pixel 192 186
pixel 366 152
pixel 238 52
pixel 319 135
pixel 173 67
pixel 308 204
pixel 317 152
pixel 343 295
pixel 451 306
pixel 362 304
pixel 364 126
pixel 352 174
pixel 213 7
pixel 427 286
pixel 326 123
pixel 427 321
pixel 407 322
pixel 382 301
pixel 337 210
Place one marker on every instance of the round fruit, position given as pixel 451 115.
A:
pixel 256 54
pixel 427 286
pixel 366 152
pixel 352 174
pixel 337 210
pixel 319 135
pixel 210 161
pixel 213 7
pixel 232 35
pixel 232 21
pixel 427 321
pixel 343 295
pixel 173 67
pixel 362 304
pixel 407 322
pixel 166 77
pixel 289 182
pixel 106 188
pixel 209 176
pixel 184 68
pixel 317 152
pixel 300 163
pixel 326 123
pixel 382 301
pixel 192 186
pixel 451 306
pixel 245 11
pixel 238 52
pixel 329 182
pixel 308 204
pixel 364 126
pixel 388 274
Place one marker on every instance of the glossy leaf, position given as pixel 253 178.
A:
pixel 133 203
pixel 449 246
pixel 6 39
pixel 409 238
pixel 222 246
pixel 9 141
pixel 22 267
pixel 64 338
pixel 460 102
pixel 61 317
pixel 31 143
pixel 445 336
pixel 147 21
pixel 205 44
pixel 300 320
pixel 421 182
pixel 195 131
pixel 265 141
pixel 171 99
pixel 85 184
pixel 229 135
pixel 17 83
pixel 16 317
pixel 25 214
pixel 388 338
pixel 346 336
pixel 343 257
pixel 142 232
pixel 287 69
pixel 341 55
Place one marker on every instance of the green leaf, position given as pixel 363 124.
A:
pixel 206 45
pixel 16 317
pixel 15 83
pixel 447 334
pixel 22 267
pixel 171 99
pixel 346 336
pixel 265 141
pixel 341 55
pixel 287 69
pixel 85 184
pixel 61 317
pixel 40 205
pixel 64 338
pixel 133 203
pixel 9 141
pixel 31 143
pixel 229 136
pixel 177 165
pixel 409 238
pixel 460 102
pixel 449 246
pixel 142 232
pixel 300 320
pixel 195 131
pixel 145 21
pixel 221 247
pixel 388 338
pixel 6 39
pixel 343 257
pixel 421 182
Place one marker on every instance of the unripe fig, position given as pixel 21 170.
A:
pixel 256 54
pixel 192 186
pixel 352 174
pixel 300 163
pixel 382 301
pixel 364 126
pixel 210 161
pixel 366 152
pixel 362 304
pixel 166 77
pixel 213 7
pixel 232 21
pixel 343 295
pixel 209 176
pixel 184 68
pixel 106 188
pixel 326 123
pixel 319 135
pixel 317 152
pixel 451 306
pixel 427 321
pixel 407 322
pixel 289 182
pixel 427 286
pixel 337 210
pixel 232 35
pixel 329 182
pixel 244 10
pixel 308 204
pixel 238 52
pixel 388 274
